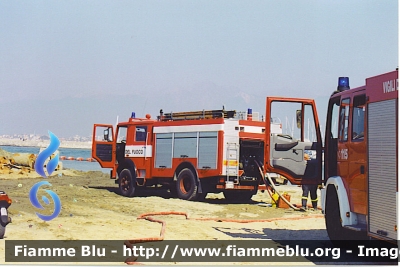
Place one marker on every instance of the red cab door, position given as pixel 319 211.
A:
pixel 356 162
pixel 296 153
pixel 103 145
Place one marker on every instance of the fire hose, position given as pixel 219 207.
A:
pixel 293 206
pixel 273 187
pixel 148 217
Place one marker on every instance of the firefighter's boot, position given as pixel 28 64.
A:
pixel 314 204
pixel 303 205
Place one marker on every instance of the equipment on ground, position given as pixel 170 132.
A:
pixel 5 202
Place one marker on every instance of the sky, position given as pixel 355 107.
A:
pixel 65 65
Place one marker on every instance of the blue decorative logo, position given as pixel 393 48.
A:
pixel 35 202
pixel 39 168
pixel 41 158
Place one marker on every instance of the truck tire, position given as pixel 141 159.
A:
pixel 332 215
pixel 186 185
pixel 2 231
pixel 127 183
pixel 236 196
pixel 336 231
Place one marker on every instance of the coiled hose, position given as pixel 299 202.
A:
pixel 273 187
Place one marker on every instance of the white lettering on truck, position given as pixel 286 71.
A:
pixel 138 151
pixel 390 86
pixel 343 154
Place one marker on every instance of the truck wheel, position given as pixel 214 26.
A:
pixel 333 221
pixel 186 185
pixel 2 231
pixel 127 183
pixel 238 196
pixel 332 215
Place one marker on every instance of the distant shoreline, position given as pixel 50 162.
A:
pixel 39 143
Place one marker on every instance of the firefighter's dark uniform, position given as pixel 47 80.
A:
pixel 312 190
pixel 309 189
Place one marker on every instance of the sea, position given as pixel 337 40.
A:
pixel 67 152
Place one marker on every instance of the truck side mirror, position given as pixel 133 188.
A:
pixel 298 118
pixel 106 134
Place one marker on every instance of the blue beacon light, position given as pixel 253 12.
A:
pixel 133 115
pixel 343 83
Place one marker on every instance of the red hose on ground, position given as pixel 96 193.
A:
pixel 147 216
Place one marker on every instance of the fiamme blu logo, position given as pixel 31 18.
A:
pixel 51 165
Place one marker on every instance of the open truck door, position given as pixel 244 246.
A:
pixel 103 145
pixel 297 152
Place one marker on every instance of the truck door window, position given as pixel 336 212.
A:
pixel 334 115
pixel 121 141
pixel 121 134
pixel 104 134
pixel 331 138
pixel 344 119
pixel 290 112
pixel 309 125
pixel 141 133
pixel 358 118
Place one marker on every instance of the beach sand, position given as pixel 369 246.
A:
pixel 92 209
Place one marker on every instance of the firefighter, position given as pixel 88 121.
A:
pixel 309 189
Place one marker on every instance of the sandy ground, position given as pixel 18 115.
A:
pixel 93 210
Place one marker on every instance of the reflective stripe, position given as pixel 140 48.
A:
pixel 314 199
pixel 304 197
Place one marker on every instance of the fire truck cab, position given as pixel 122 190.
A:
pixel 191 153
pixel 359 194
pixel 361 159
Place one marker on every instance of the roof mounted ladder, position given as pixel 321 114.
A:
pixel 196 115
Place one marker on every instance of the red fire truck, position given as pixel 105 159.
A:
pixel 360 177
pixel 192 153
